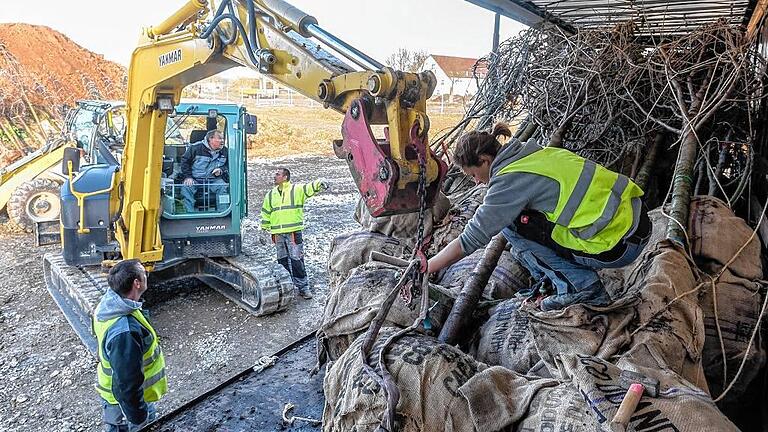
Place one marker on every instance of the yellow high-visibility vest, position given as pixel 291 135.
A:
pixel 155 382
pixel 594 209
pixel 283 208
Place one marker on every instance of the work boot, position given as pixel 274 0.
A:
pixel 307 294
pixel 594 295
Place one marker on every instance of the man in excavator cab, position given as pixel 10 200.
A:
pixel 205 172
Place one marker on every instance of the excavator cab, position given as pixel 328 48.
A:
pixel 201 212
pixel 203 217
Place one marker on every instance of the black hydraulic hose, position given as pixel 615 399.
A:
pixel 249 37
pixel 240 27
pixel 252 25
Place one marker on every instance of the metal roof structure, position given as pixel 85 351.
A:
pixel 656 17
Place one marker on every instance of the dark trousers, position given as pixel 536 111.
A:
pixel 290 253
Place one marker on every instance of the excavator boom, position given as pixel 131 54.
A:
pixel 396 173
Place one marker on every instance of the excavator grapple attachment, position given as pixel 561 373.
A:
pixel 377 174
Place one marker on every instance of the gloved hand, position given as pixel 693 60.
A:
pixel 264 238
pixel 324 185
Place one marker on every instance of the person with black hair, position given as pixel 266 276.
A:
pixel 282 215
pixel 205 166
pixel 563 216
pixel 131 371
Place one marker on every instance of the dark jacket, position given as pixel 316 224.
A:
pixel 199 161
pixel 124 345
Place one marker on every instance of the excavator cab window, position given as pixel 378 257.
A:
pixel 195 172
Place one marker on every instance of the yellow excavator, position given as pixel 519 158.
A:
pixel 117 211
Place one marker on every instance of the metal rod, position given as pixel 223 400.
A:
pixel 343 48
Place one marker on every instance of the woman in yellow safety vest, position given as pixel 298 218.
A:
pixel 564 216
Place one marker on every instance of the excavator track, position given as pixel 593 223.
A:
pixel 257 288
pixel 77 291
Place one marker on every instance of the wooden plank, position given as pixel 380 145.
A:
pixel 757 18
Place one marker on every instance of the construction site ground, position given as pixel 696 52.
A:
pixel 48 375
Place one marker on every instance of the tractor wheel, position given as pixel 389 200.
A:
pixel 34 201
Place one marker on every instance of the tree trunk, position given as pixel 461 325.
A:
pixel 644 174
pixel 465 304
pixel 681 188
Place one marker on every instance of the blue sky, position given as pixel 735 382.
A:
pixel 447 27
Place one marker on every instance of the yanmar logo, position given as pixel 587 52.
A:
pixel 207 228
pixel 170 58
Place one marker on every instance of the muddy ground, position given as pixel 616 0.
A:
pixel 48 375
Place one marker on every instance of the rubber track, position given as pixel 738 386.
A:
pixel 77 291
pixel 273 297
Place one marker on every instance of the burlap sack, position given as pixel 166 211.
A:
pixel 463 207
pixel 674 330
pixel 498 398
pixel 352 249
pixel 506 339
pixel 402 226
pixel 581 329
pixel 355 302
pixel 737 293
pixel 680 405
pixel 738 309
pixel 716 234
pixel 428 375
pixel 507 278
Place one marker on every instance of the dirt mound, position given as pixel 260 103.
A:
pixel 44 68
pixel 41 73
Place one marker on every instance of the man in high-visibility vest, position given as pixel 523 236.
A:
pixel 282 215
pixel 131 370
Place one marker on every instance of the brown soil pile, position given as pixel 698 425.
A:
pixel 44 68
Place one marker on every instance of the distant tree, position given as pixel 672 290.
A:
pixel 406 60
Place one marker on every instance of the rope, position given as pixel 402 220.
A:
pixel 264 362
pixel 744 357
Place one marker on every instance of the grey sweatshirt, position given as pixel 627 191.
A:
pixel 509 194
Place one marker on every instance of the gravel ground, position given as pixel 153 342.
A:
pixel 48 375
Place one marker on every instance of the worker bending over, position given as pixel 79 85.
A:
pixel 282 215
pixel 564 216
pixel 131 370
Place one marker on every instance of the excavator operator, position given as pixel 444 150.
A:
pixel 204 169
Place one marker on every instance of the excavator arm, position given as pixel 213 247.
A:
pixel 396 173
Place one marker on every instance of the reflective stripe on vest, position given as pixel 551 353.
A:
pixel 283 210
pixel 594 209
pixel 153 363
